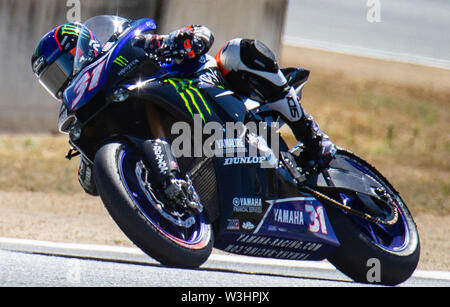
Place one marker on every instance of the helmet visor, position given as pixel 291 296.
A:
pixel 57 74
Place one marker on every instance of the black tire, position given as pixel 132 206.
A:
pixel 133 221
pixel 357 248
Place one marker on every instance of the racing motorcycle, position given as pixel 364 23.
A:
pixel 120 103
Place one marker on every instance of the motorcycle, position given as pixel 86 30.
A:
pixel 122 100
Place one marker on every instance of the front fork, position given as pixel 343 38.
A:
pixel 154 121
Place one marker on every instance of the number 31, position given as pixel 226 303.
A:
pixel 82 85
pixel 317 219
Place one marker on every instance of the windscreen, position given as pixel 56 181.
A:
pixel 94 33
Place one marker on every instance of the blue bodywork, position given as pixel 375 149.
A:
pixel 291 228
pixel 252 221
pixel 73 91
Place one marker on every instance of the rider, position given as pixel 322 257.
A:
pixel 249 68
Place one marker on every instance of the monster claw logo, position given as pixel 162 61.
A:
pixel 185 87
pixel 121 61
pixel 75 30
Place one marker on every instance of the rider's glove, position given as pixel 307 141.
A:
pixel 187 43
pixel 190 42
pixel 155 45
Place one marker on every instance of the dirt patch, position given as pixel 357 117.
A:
pixel 75 218
pixel 366 69
pixel 435 245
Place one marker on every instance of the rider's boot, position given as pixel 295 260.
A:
pixel 318 148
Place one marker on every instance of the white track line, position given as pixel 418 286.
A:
pixel 322 265
pixel 71 246
pixel 367 52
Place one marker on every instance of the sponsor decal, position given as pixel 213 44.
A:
pixel 276 228
pixel 272 228
pixel 273 247
pixel 107 46
pixel 244 160
pixel 38 64
pixel 279 242
pixel 128 68
pixel 285 216
pixel 303 213
pixel 248 225
pixel 230 143
pixel 295 113
pixel 266 252
pixel 162 165
pixel 247 204
pixel 71 29
pixel 121 61
pixel 233 224
pixel 227 146
pixel 185 89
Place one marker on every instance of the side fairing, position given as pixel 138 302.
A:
pixel 259 214
pixel 185 99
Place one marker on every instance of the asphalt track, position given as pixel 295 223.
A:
pixel 25 263
pixel 414 31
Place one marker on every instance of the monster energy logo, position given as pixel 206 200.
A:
pixel 75 30
pixel 121 61
pixel 186 90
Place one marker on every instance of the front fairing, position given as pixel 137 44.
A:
pixel 118 57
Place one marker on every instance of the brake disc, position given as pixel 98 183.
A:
pixel 174 217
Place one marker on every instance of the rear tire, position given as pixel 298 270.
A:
pixel 128 214
pixel 359 253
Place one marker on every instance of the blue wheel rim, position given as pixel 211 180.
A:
pixel 393 238
pixel 189 237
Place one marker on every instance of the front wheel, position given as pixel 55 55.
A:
pixel 370 252
pixel 139 214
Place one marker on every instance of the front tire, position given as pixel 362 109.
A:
pixel 126 203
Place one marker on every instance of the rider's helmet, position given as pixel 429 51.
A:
pixel 54 56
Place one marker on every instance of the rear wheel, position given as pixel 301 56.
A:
pixel 142 217
pixel 370 252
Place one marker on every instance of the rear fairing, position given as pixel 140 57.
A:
pixel 263 215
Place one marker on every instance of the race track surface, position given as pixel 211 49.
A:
pixel 27 263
